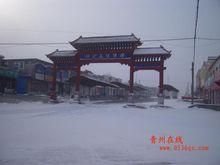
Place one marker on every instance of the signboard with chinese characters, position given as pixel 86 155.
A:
pixel 68 65
pixel 137 65
pixel 104 56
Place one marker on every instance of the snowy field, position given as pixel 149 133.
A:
pixel 105 134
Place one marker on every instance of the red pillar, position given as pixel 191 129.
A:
pixel 161 76
pixel 78 78
pixel 53 92
pixel 77 87
pixel 131 84
pixel 161 81
pixel 131 81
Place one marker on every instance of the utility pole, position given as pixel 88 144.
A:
pixel 192 86
pixel 194 53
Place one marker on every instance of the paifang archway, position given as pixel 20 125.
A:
pixel 123 49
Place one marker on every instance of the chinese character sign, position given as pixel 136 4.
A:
pixel 105 56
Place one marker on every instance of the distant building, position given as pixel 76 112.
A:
pixel 34 76
pixel 170 92
pixel 109 78
pixel 7 77
pixel 103 86
pixel 201 77
pixel 213 82
pixel 1 60
pixel 153 91
pixel 208 80
pixel 92 86
pixel 141 91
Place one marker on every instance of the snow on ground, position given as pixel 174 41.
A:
pixel 105 134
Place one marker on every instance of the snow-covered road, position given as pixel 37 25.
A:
pixel 105 134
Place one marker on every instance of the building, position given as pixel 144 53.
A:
pixel 93 86
pixel 7 78
pixel 202 75
pixel 107 86
pixel 32 76
pixel 170 92
pixel 208 80
pixel 213 82
pixel 141 91
pixel 1 60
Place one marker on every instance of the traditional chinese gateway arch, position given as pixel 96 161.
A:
pixel 121 49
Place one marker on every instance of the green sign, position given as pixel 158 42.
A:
pixel 7 73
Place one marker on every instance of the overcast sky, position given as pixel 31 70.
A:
pixel 65 20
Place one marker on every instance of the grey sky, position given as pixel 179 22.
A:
pixel 62 21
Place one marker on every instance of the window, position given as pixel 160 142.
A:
pixel 19 65
pixel 27 62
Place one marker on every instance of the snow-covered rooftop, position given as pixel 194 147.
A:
pixel 106 39
pixel 62 53
pixel 212 57
pixel 150 50
pixel 92 81
pixel 137 51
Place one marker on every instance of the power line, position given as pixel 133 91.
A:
pixel 32 43
pixel 63 31
pixel 66 43
pixel 203 38
pixel 36 30
pixel 169 39
pixel 190 46
pixel 181 39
